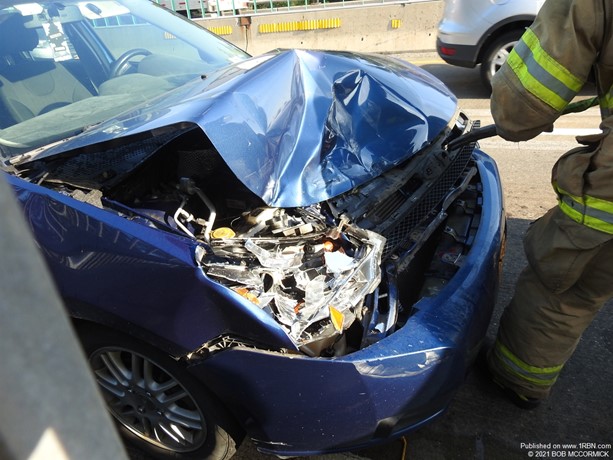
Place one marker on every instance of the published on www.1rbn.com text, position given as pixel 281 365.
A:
pixel 566 450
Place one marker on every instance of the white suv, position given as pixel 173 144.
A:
pixel 474 32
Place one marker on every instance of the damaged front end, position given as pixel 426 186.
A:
pixel 336 276
pixel 332 208
pixel 341 275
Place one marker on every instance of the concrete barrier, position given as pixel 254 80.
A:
pixel 378 28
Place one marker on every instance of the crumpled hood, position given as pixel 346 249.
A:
pixel 299 127
pixel 304 126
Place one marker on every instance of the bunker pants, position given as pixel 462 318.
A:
pixel 568 279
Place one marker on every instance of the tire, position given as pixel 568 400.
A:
pixel 160 409
pixel 496 54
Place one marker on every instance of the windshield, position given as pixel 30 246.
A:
pixel 67 65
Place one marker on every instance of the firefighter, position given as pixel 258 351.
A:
pixel 569 250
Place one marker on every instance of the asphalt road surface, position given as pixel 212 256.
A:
pixel 479 424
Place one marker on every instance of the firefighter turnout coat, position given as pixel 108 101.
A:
pixel 569 274
pixel 569 42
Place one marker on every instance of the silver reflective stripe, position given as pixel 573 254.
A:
pixel 587 210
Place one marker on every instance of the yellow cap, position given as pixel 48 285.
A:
pixel 223 232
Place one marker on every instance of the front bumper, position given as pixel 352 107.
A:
pixel 292 405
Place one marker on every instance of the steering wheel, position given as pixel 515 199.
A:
pixel 122 63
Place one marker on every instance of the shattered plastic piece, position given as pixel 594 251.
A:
pixel 314 294
pixel 304 277
pixel 287 309
pixel 287 258
pixel 337 262
pixel 238 274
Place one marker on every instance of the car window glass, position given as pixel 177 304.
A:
pixel 68 65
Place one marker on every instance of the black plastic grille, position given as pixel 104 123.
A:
pixel 401 230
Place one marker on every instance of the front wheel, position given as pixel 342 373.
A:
pixel 496 54
pixel 159 407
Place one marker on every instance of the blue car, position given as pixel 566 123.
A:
pixel 301 247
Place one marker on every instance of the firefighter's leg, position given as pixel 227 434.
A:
pixel 568 279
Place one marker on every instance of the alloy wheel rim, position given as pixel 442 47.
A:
pixel 148 400
pixel 501 57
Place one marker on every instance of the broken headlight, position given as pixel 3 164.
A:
pixel 311 277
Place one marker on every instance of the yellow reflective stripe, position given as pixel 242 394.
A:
pixel 606 104
pixel 545 376
pixel 590 211
pixel 584 219
pixel 533 85
pixel 599 203
pixel 542 75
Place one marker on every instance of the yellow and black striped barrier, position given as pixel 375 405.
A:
pixel 294 26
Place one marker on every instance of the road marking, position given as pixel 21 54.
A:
pixel 573 132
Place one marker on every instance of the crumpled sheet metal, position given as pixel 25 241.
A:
pixel 298 127
pixel 323 123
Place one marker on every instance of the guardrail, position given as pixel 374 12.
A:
pixel 216 8
pixel 204 8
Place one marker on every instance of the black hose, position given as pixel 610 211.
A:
pixel 472 136
pixel 490 130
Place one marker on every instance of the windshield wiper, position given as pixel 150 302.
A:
pixel 31 155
